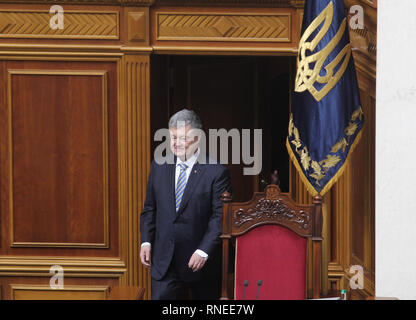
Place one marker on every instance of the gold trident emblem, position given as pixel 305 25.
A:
pixel 306 77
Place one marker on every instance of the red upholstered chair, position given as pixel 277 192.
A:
pixel 271 235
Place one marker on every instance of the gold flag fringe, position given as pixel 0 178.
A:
pixel 334 179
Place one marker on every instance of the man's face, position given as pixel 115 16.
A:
pixel 183 142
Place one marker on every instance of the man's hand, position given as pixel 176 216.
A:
pixel 196 262
pixel 145 255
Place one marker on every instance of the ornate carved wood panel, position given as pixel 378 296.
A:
pixel 223 27
pixel 232 29
pixel 77 25
pixel 277 209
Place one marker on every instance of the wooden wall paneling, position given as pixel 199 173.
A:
pixel 129 155
pixel 122 170
pixel 38 288
pixel 39 292
pixel 225 30
pixel 137 89
pixel 263 3
pixel 80 2
pixel 352 211
pixel 363 213
pixel 223 27
pixel 326 242
pixel 29 23
pixel 236 3
pixel 79 149
pixel 29 262
pixel 135 95
pixel 365 43
pixel 340 263
pixel 78 134
pixel 77 25
pixel 353 214
pixel 136 24
pixel 134 112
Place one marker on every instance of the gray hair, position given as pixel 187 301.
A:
pixel 185 117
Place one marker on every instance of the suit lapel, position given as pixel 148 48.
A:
pixel 170 176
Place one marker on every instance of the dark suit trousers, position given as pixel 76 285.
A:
pixel 171 287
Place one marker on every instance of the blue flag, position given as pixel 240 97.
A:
pixel 326 119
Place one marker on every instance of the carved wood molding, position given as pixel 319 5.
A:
pixel 339 278
pixel 257 3
pixel 272 206
pixel 272 209
pixel 223 27
pixel 77 25
pixel 135 155
pixel 73 266
pixel 33 292
pixel 137 27
pixel 97 2
pixel 263 3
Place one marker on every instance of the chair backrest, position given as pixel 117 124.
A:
pixel 271 235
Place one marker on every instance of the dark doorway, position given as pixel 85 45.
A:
pixel 229 92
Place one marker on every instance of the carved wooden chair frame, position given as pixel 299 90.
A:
pixel 273 207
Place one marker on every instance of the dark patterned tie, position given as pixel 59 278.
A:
pixel 180 186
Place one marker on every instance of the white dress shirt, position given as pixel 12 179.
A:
pixel 190 163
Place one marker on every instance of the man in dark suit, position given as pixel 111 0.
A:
pixel 181 221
